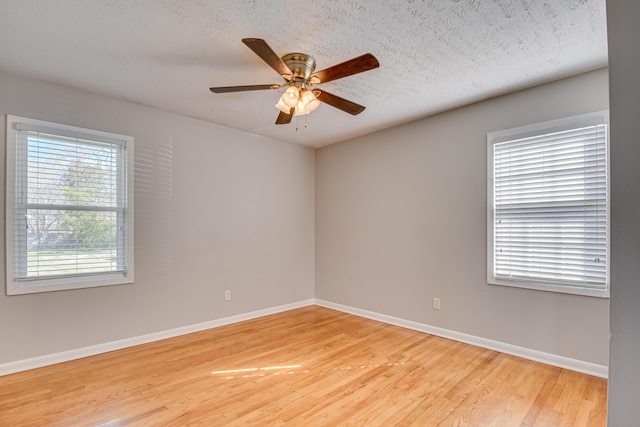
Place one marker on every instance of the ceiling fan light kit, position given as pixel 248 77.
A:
pixel 297 69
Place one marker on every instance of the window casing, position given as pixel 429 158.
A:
pixel 69 207
pixel 548 206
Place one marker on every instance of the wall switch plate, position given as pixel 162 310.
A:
pixel 227 295
pixel 436 303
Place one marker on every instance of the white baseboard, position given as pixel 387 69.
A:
pixel 514 350
pixel 65 356
pixel 526 353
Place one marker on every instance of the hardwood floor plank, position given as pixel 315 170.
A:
pixel 309 367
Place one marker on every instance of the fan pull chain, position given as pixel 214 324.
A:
pixel 297 121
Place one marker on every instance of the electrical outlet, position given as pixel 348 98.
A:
pixel 436 303
pixel 227 295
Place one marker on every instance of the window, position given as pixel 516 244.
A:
pixel 548 206
pixel 69 207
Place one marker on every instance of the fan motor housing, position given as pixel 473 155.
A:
pixel 300 64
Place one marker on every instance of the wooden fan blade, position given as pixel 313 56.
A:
pixel 340 103
pixel 262 49
pixel 284 118
pixel 356 65
pixel 225 89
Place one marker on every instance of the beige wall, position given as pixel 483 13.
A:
pixel 401 218
pixel 216 209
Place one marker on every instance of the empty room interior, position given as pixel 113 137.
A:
pixel 233 213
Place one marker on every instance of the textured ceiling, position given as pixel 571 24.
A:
pixel 434 54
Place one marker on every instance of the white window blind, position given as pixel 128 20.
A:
pixel 550 209
pixel 71 218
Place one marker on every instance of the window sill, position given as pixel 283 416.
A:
pixel 63 284
pixel 550 287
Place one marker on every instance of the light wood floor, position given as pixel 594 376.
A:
pixel 306 367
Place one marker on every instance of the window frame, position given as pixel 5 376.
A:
pixel 72 281
pixel 569 123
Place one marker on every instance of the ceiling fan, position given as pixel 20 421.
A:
pixel 297 69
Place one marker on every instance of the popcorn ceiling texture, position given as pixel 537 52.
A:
pixel 434 54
